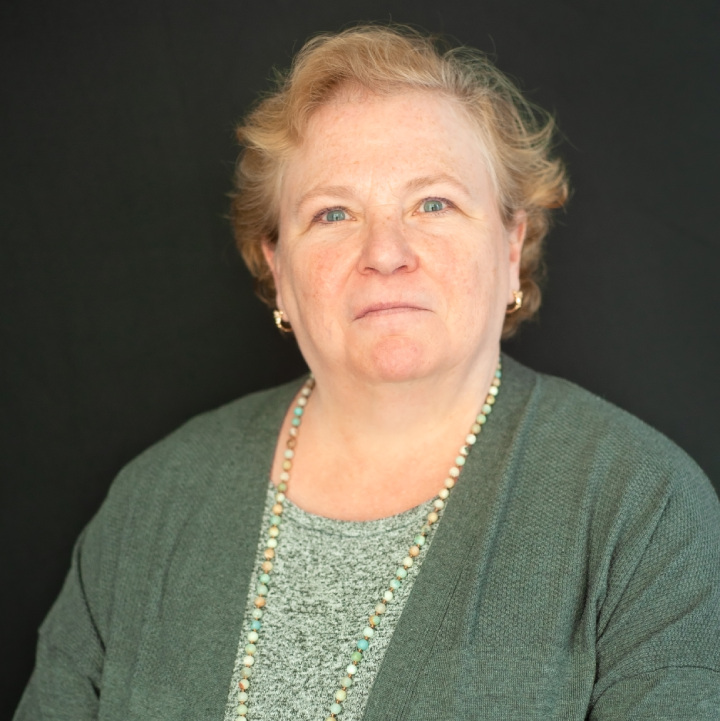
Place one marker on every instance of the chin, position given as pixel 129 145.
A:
pixel 397 359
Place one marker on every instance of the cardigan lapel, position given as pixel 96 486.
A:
pixel 463 533
pixel 236 515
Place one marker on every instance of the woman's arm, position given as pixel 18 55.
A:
pixel 658 644
pixel 65 683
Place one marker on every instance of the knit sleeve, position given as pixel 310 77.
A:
pixel 72 641
pixel 68 666
pixel 658 644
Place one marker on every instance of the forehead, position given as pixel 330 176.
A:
pixel 421 131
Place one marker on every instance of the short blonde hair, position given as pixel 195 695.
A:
pixel 388 60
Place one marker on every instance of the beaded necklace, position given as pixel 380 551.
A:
pixel 375 618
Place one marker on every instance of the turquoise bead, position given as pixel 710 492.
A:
pixel 295 421
pixel 241 710
pixel 419 540
pixel 498 373
pixel 298 411
pixel 262 589
pixel 356 656
pixel 401 573
pixel 336 708
pixel 375 620
pixel 275 520
pixel 363 645
pixel 264 578
pixel 346 682
pixel 256 625
pixel 486 408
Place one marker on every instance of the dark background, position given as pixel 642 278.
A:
pixel 125 310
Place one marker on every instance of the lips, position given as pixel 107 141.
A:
pixel 387 308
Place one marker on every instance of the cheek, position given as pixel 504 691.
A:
pixel 317 278
pixel 473 275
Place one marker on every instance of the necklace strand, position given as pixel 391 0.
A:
pixel 375 617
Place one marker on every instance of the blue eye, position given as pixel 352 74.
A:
pixel 433 205
pixel 334 215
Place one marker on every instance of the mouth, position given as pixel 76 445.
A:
pixel 389 308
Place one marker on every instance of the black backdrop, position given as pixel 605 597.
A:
pixel 125 309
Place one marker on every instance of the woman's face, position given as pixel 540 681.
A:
pixel 392 262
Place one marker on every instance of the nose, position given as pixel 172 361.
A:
pixel 386 248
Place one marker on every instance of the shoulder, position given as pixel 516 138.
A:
pixel 562 416
pixel 577 440
pixel 215 450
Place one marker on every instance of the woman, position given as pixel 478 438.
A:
pixel 444 535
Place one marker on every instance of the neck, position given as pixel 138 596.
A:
pixel 389 413
pixel 375 449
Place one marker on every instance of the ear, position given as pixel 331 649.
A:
pixel 516 238
pixel 272 258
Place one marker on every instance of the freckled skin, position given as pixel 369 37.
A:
pixel 395 286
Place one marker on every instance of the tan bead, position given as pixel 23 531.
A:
pixel 449 483
pixel 269 554
pixel 292 442
pixel 432 517
pixel 490 399
pixel 287 465
pixel 414 551
pixel 267 566
pixel 274 532
pixel 277 509
pixel 260 601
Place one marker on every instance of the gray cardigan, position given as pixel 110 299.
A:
pixel 575 574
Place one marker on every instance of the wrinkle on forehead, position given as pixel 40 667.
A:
pixel 349 94
pixel 351 102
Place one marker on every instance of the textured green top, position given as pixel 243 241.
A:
pixel 575 574
pixel 328 576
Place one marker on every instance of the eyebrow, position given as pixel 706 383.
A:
pixel 425 180
pixel 345 191
pixel 339 191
